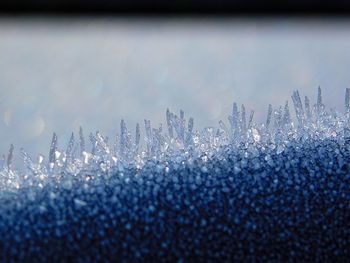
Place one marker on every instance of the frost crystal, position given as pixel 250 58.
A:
pixel 244 191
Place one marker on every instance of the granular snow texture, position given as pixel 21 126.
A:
pixel 272 196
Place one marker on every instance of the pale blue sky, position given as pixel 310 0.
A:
pixel 57 74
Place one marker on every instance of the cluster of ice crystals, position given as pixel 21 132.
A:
pixel 277 191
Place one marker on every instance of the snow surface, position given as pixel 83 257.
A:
pixel 277 191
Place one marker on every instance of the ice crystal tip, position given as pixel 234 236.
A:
pixel 10 157
pixel 269 116
pixel 319 97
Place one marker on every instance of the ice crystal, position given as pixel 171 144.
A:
pixel 244 191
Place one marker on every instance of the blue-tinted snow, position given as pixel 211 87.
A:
pixel 272 192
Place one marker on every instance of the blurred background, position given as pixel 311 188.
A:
pixel 57 73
